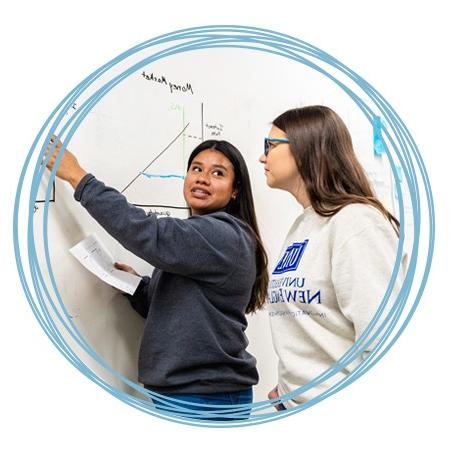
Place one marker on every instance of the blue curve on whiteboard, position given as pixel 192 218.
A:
pixel 152 175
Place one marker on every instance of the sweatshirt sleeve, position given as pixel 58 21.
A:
pixel 361 270
pixel 201 247
pixel 140 300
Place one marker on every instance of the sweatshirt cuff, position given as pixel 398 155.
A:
pixel 81 185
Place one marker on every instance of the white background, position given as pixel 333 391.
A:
pixel 49 46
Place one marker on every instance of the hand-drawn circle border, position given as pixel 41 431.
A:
pixel 396 135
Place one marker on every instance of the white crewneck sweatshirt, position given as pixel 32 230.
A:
pixel 330 278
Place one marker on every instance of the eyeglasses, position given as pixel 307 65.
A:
pixel 270 143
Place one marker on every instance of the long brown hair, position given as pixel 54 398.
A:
pixel 243 208
pixel 322 147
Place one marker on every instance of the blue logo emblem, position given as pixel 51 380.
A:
pixel 291 258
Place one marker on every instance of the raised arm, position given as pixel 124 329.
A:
pixel 203 247
pixel 208 248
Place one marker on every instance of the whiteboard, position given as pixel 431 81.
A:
pixel 138 138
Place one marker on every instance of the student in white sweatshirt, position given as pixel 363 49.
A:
pixel 338 257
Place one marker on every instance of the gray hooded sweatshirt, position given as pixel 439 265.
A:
pixel 194 303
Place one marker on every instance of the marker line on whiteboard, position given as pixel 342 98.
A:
pixel 160 154
pixel 153 175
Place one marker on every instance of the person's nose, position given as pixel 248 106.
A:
pixel 263 159
pixel 202 178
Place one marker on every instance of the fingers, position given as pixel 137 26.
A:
pixel 52 146
pixel 273 393
pixel 123 267
pixel 54 139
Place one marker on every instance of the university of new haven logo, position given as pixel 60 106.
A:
pixel 291 258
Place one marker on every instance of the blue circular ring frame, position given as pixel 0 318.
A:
pixel 396 139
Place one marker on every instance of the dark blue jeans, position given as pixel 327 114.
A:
pixel 203 400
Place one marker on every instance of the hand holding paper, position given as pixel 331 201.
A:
pixel 94 256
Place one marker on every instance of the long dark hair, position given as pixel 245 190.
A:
pixel 243 208
pixel 322 147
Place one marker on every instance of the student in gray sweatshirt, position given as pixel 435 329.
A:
pixel 210 270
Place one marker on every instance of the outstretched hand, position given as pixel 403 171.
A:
pixel 68 169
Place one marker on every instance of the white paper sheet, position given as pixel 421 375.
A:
pixel 94 256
